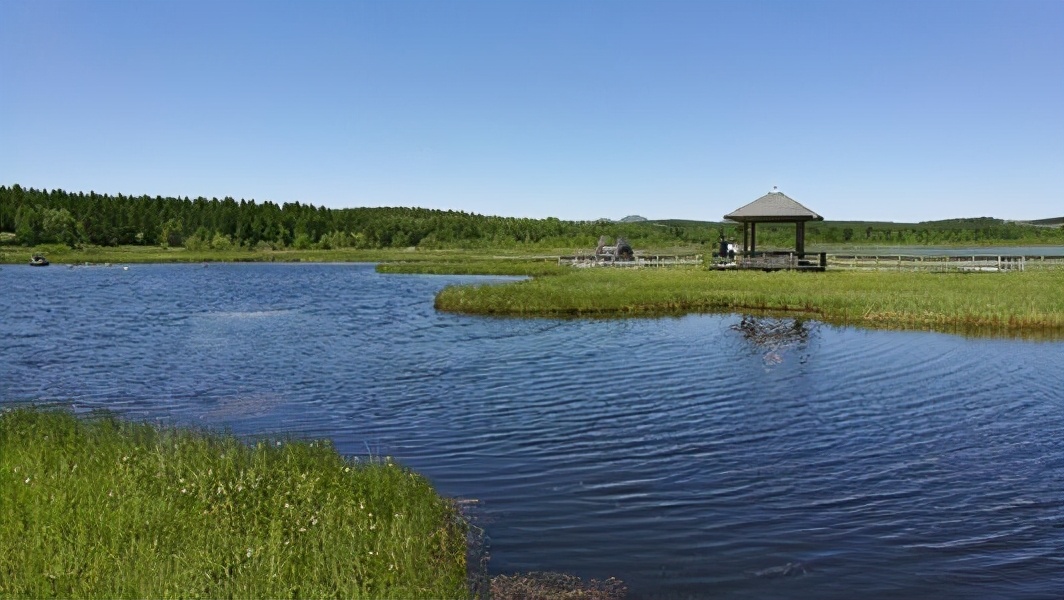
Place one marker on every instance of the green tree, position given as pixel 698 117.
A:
pixel 59 226
pixel 28 226
pixel 171 234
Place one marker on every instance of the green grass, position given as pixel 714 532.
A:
pixel 1028 303
pixel 102 508
pixel 59 254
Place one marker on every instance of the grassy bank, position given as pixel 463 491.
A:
pixel 407 260
pixel 1018 302
pixel 59 254
pixel 102 508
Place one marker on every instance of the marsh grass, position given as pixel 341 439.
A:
pixel 98 507
pixel 408 260
pixel 1029 302
pixel 60 254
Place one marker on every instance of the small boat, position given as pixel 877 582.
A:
pixel 39 260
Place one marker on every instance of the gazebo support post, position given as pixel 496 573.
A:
pixel 753 237
pixel 799 238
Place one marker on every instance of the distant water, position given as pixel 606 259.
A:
pixel 694 457
pixel 1047 251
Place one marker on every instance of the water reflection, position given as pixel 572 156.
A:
pixel 774 337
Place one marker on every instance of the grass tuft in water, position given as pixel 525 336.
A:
pixel 979 302
pixel 98 507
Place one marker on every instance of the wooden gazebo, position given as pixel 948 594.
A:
pixel 774 207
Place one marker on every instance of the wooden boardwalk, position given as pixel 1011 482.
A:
pixel 990 263
pixel 901 262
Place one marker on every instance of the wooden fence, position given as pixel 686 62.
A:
pixel 972 263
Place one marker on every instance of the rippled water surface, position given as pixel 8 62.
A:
pixel 704 456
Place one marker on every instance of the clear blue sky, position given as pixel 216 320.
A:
pixel 861 109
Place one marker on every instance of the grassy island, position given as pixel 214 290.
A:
pixel 1028 303
pixel 102 508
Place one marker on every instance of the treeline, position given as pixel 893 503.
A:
pixel 975 231
pixel 77 219
pixel 56 216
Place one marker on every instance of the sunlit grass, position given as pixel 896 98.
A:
pixel 1030 301
pixel 59 254
pixel 102 508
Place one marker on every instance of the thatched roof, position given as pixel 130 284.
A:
pixel 774 206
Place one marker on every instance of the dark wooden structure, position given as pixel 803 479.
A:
pixel 774 207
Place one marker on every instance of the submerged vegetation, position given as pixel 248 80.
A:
pixel 102 508
pixel 1015 302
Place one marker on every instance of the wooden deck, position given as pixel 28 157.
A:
pixel 774 261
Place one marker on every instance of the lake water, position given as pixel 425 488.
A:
pixel 703 456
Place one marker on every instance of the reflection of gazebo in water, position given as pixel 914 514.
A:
pixel 775 207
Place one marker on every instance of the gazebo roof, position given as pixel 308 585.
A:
pixel 774 206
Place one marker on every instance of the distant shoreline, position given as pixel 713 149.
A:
pixel 59 254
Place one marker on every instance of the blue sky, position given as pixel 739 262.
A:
pixel 874 110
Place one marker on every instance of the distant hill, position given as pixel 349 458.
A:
pixel 1045 222
pixel 632 219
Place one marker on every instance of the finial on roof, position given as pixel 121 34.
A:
pixel 775 190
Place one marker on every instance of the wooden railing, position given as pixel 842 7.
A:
pixel 895 262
